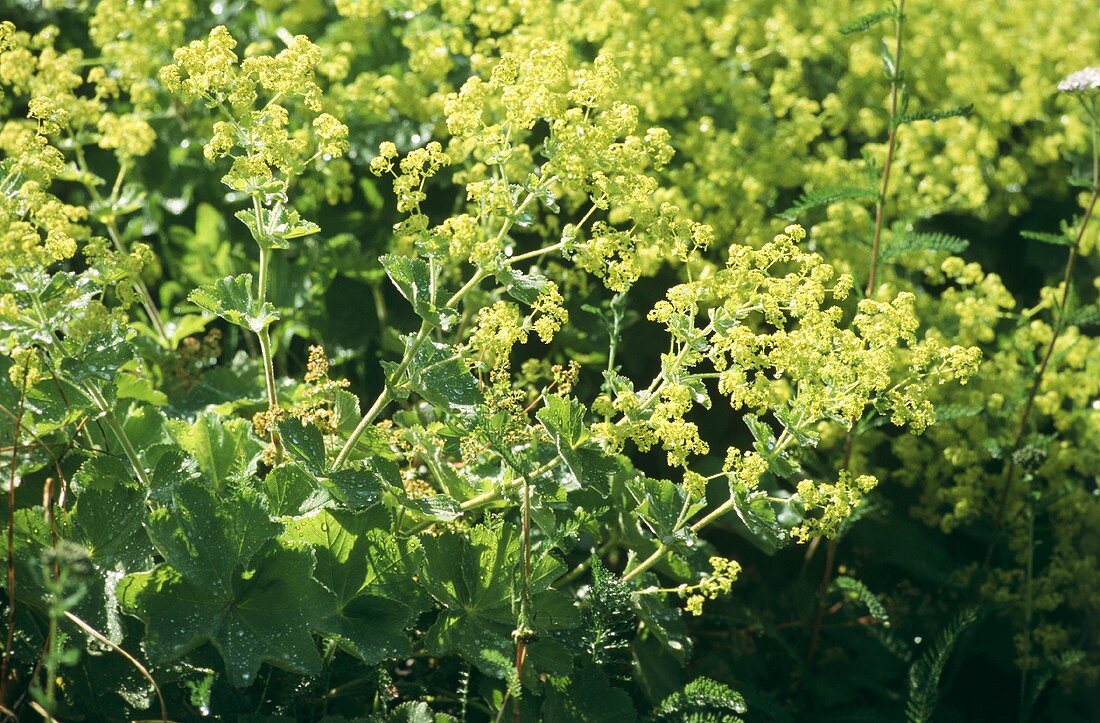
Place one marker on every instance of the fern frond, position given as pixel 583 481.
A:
pixel 826 196
pixel 923 242
pixel 1058 239
pixel 1084 316
pixel 893 643
pixel 924 675
pixel 934 115
pixel 702 701
pixel 861 592
pixel 950 412
pixel 868 21
pixel 1061 662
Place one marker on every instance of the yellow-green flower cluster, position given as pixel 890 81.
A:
pixel 411 173
pixel 713 585
pixel 138 38
pixel 827 505
pixel 595 160
pixel 268 147
pixel 128 134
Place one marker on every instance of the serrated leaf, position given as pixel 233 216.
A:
pixel 702 700
pixel 587 697
pixel 440 376
pixel 861 592
pixel 474 579
pixel 280 226
pixel 413 278
pixel 435 508
pixel 924 675
pixel 131 386
pixel 526 288
pixel 949 412
pixel 292 490
pixel 171 469
pixel 362 485
pixel 211 537
pixel 661 505
pixel 232 299
pixel 304 442
pixel 760 520
pixel 225 450
pixel 367 569
pixel 764 442
pixel 107 521
pixel 591 467
pixel 610 619
pixel 664 621
pixel 223 581
pixel 268 617
pixel 1084 316
pixel 418 712
pixel 99 360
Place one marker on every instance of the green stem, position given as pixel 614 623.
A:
pixel 383 398
pixel 1036 384
pixel 891 147
pixel 265 352
pixel 480 275
pixel 523 629
pixel 536 253
pixel 647 563
pixel 116 426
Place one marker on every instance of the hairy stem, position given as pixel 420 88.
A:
pixel 383 397
pixel 872 275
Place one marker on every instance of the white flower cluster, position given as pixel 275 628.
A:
pixel 1082 81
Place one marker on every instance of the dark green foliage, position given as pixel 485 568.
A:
pixel 609 620
pixel 925 673
pixel 702 701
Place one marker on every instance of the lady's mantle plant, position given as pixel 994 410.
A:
pixel 457 416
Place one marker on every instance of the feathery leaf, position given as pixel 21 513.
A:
pixel 924 675
pixel 933 241
pixel 826 196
